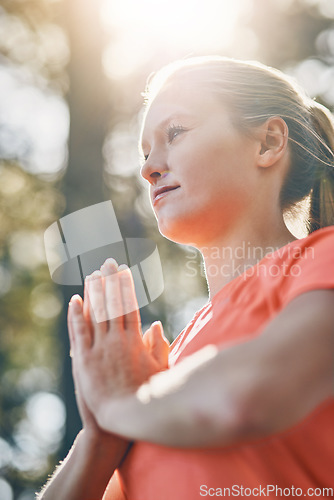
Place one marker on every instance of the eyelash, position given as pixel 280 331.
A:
pixel 172 132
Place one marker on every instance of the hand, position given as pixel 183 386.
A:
pixel 110 445
pixel 111 357
pixel 87 418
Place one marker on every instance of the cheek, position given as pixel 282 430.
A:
pixel 217 167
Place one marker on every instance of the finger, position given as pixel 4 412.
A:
pixel 75 373
pixel 71 336
pixel 96 303
pixel 72 353
pixel 69 327
pixel 158 344
pixel 113 297
pixel 86 312
pixel 79 331
pixel 147 340
pixel 132 321
pixel 110 266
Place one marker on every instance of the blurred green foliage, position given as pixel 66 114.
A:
pixel 30 360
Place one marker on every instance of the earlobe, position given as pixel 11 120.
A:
pixel 274 139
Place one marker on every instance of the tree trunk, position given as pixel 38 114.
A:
pixel 83 180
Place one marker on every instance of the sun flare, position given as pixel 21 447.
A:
pixel 171 27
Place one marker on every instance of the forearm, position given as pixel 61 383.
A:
pixel 87 469
pixel 218 397
pixel 181 407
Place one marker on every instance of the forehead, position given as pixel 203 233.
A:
pixel 178 99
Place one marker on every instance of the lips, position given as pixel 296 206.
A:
pixel 161 192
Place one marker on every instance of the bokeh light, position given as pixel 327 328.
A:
pixel 46 417
pixel 38 433
pixel 27 249
pixel 6 492
pixel 37 124
pixel 6 454
pixel 46 302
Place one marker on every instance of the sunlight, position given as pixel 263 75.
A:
pixel 142 30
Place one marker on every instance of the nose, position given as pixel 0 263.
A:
pixel 154 167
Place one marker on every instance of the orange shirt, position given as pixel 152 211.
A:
pixel 300 457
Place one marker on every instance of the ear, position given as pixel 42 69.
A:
pixel 273 136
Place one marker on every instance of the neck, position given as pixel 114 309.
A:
pixel 229 256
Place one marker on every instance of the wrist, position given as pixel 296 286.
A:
pixel 125 416
pixel 103 443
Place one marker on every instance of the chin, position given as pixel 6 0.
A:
pixel 177 232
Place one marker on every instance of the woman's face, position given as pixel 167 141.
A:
pixel 198 165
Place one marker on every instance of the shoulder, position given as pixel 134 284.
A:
pixel 322 238
pixel 308 264
pixel 315 244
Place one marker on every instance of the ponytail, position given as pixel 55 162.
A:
pixel 322 194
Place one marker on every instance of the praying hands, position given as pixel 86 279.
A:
pixel 111 358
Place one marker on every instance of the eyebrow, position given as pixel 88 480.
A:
pixel 170 118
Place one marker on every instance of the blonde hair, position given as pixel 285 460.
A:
pixel 253 92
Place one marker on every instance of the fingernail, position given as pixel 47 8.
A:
pixel 111 262
pixel 75 304
pixel 94 276
pixel 109 267
pixel 156 323
pixel 123 267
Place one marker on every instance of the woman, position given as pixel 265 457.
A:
pixel 246 406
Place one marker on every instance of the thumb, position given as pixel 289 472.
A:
pixel 157 344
